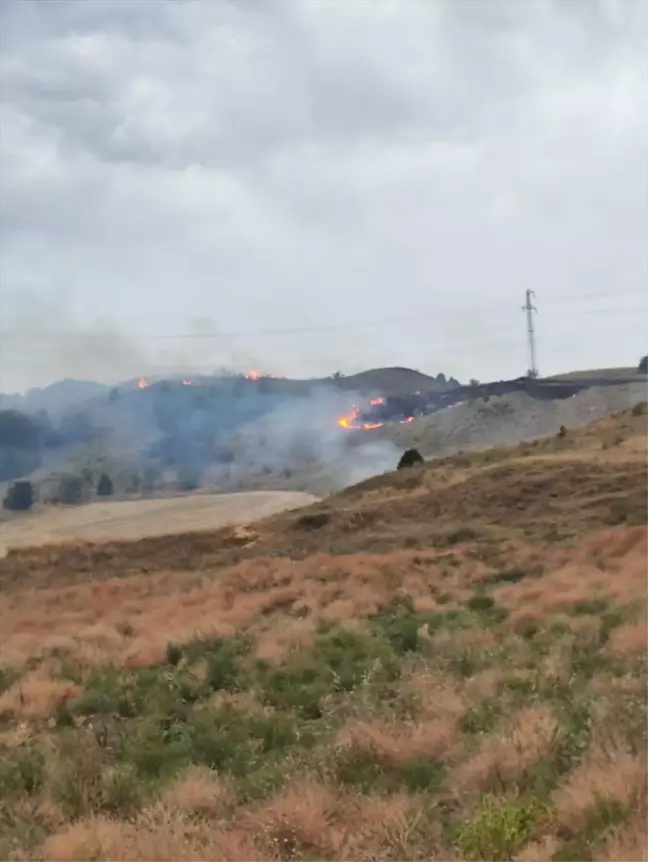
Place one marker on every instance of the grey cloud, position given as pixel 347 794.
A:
pixel 276 164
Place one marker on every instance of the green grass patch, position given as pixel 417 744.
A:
pixel 590 606
pixel 339 661
pixel 22 771
pixel 363 772
pixel 483 718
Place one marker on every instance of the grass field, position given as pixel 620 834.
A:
pixel 135 519
pixel 444 663
pixel 605 373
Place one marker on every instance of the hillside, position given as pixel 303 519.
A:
pixel 508 419
pixel 623 373
pixel 443 663
pixel 69 394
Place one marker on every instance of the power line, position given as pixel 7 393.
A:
pixel 386 323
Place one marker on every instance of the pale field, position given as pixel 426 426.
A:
pixel 135 519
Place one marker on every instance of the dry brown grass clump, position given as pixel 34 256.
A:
pixel 156 833
pixel 608 775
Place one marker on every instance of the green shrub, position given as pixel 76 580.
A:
pixel 21 771
pixel 338 661
pixel 499 829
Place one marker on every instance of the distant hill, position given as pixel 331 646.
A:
pixel 395 381
pixel 62 395
pixel 67 394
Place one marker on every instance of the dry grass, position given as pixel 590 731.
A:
pixel 156 833
pixel 504 758
pixel 129 520
pixel 607 775
pixel 470 685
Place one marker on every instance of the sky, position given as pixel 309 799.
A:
pixel 323 185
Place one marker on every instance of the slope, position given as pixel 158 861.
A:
pixel 443 663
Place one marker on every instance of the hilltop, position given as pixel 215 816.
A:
pixel 395 381
pixel 69 394
pixel 447 662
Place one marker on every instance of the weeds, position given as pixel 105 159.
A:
pixel 499 829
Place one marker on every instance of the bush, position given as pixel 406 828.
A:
pixel 499 829
pixel 410 458
pixel 642 368
pixel 20 497
pixel 105 487
pixel 71 490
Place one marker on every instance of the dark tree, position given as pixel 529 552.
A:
pixel 105 487
pixel 21 443
pixel 643 365
pixel 410 458
pixel 20 497
pixel 71 490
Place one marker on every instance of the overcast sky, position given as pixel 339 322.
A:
pixel 233 170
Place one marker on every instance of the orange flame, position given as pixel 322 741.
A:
pixel 252 375
pixel 407 421
pixel 142 383
pixel 352 422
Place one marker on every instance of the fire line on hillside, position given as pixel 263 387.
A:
pixel 144 384
pixel 357 421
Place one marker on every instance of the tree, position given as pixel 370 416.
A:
pixel 105 487
pixel 21 441
pixel 410 458
pixel 473 381
pixel 643 365
pixel 71 490
pixel 20 497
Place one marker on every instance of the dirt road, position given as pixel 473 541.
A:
pixel 134 519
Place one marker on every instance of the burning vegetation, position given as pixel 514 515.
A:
pixel 397 408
